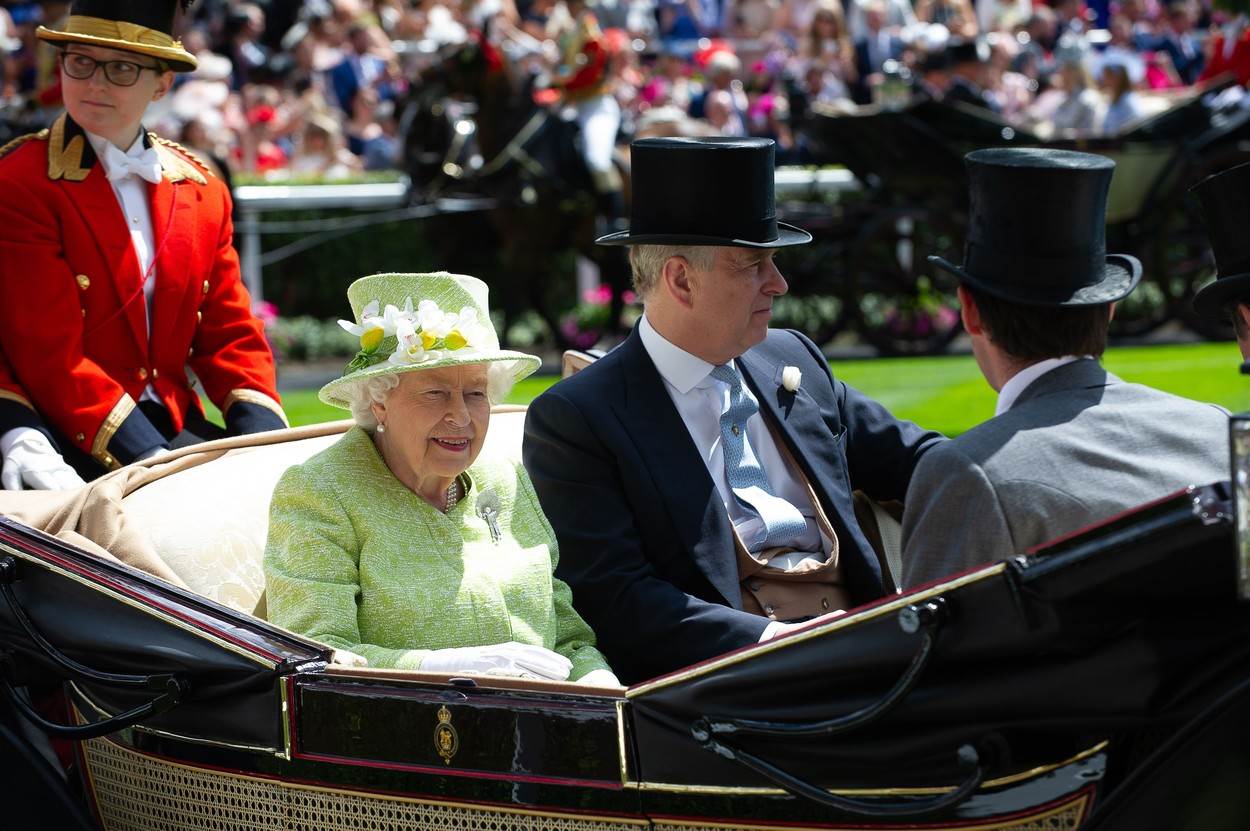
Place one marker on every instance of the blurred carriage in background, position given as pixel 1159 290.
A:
pixel 913 202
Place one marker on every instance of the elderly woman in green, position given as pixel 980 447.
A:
pixel 400 545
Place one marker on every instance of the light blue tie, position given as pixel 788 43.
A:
pixel 782 521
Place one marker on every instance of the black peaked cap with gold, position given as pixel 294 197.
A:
pixel 145 27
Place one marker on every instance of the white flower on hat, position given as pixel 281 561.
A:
pixel 409 350
pixel 373 326
pixel 791 377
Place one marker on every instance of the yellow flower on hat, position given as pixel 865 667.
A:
pixel 373 327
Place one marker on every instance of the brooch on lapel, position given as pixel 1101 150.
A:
pixel 791 377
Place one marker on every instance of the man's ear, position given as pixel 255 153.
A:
pixel 969 313
pixel 675 275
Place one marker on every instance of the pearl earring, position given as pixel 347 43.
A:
pixel 381 428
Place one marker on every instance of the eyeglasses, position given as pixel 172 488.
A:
pixel 120 73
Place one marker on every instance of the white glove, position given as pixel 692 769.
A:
pixel 30 460
pixel 347 658
pixel 599 678
pixel 511 658
pixel 154 453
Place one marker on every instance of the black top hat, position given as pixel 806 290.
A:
pixel 1037 233
pixel 704 191
pixel 959 51
pixel 1226 205
pixel 142 26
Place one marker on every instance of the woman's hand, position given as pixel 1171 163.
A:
pixel 345 658
pixel 511 658
pixel 599 678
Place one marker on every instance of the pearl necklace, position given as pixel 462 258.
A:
pixel 453 495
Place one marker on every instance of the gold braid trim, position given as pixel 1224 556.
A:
pixel 179 165
pixel 20 140
pixel 5 395
pixel 175 166
pixel 112 423
pixel 253 397
pixel 65 160
pixel 98 27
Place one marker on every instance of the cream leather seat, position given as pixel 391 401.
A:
pixel 209 522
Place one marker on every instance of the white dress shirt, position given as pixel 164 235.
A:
pixel 700 400
pixel 132 197
pixel 1021 380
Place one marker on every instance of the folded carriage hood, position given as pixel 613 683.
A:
pixel 115 619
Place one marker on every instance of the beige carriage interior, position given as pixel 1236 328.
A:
pixel 198 525
pixel 209 523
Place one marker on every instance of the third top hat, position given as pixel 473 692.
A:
pixel 1037 230
pixel 704 191
pixel 1226 204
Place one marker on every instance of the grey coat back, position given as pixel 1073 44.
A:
pixel 1077 447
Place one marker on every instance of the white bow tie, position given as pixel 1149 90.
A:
pixel 147 165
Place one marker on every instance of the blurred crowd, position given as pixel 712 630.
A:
pixel 316 89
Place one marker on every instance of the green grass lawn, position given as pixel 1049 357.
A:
pixel 948 393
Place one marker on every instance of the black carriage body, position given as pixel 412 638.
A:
pixel 1063 672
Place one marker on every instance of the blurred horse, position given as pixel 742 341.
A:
pixel 472 127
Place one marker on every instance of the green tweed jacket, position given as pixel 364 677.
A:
pixel 357 561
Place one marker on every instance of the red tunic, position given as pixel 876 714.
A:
pixel 73 323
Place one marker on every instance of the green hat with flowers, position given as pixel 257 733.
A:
pixel 409 322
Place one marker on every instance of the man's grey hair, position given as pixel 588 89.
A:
pixel 369 391
pixel 647 262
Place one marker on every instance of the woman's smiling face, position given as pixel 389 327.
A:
pixel 435 423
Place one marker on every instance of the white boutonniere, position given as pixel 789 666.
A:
pixel 791 377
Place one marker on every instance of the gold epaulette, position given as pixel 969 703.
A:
pixel 188 153
pixel 20 140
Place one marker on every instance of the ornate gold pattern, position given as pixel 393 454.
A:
pixel 112 423
pixel 190 154
pixel 446 740
pixel 253 397
pixel 115 34
pixel 136 791
pixel 65 159
pixel 20 140
pixel 5 395
pixel 1064 817
pixel 176 167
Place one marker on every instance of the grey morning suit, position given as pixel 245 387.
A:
pixel 1078 446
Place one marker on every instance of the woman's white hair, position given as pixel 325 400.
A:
pixel 368 391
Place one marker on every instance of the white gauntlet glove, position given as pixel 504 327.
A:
pixel 30 460
pixel 599 678
pixel 509 658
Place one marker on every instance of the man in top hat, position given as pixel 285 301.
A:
pixel 1226 203
pixel 117 269
pixel 969 61
pixel 1070 444
pixel 699 476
